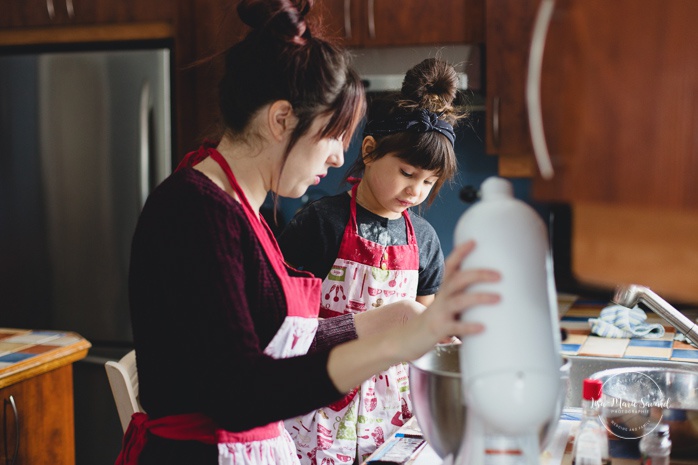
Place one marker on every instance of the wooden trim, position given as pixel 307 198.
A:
pixel 81 34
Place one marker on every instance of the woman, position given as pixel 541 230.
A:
pixel 222 327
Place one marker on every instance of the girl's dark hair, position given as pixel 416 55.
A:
pixel 281 59
pixel 431 85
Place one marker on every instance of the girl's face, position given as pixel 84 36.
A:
pixel 309 161
pixel 391 186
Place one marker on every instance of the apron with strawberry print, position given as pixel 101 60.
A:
pixel 364 276
pixel 266 445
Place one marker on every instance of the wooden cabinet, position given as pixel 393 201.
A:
pixel 509 25
pixel 40 13
pixel 619 114
pixel 38 420
pixel 380 23
pixel 619 98
pixel 36 388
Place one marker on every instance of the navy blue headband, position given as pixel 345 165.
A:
pixel 417 121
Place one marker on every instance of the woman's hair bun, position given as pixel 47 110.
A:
pixel 284 18
pixel 431 84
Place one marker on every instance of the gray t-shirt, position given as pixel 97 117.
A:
pixel 312 238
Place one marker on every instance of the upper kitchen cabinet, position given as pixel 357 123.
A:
pixel 508 39
pixel 36 22
pixel 39 13
pixel 382 23
pixel 619 112
pixel 618 99
pixel 620 106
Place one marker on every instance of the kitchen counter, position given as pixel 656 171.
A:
pixel 578 344
pixel 579 341
pixel 36 385
pixel 558 452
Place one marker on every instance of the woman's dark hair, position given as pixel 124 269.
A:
pixel 280 59
pixel 431 85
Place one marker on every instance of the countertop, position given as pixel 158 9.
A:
pixel 577 343
pixel 25 353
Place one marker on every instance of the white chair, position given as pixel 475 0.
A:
pixel 123 379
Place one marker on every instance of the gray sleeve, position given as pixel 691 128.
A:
pixel 431 258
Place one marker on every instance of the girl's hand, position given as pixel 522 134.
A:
pixel 441 320
pixel 386 317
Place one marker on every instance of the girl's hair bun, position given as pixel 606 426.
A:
pixel 431 84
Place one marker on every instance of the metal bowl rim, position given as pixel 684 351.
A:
pixel 615 371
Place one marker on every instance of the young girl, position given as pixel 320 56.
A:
pixel 371 251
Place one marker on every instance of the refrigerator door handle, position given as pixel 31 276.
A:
pixel 144 136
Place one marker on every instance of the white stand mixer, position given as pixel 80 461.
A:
pixel 511 371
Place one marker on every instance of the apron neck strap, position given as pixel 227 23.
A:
pixel 354 224
pixel 216 155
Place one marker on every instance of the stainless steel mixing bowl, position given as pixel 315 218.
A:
pixel 636 399
pixel 437 399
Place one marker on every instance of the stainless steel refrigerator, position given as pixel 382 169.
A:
pixel 84 137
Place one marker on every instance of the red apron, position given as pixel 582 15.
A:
pixel 265 445
pixel 364 276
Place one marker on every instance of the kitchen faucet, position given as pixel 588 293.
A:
pixel 630 295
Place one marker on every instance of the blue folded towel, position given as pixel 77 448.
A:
pixel 623 322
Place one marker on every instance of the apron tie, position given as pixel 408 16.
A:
pixel 192 427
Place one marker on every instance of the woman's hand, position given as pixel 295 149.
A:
pixel 441 320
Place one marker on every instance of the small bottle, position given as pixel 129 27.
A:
pixel 591 443
pixel 655 447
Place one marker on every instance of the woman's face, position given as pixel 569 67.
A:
pixel 309 160
pixel 391 186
